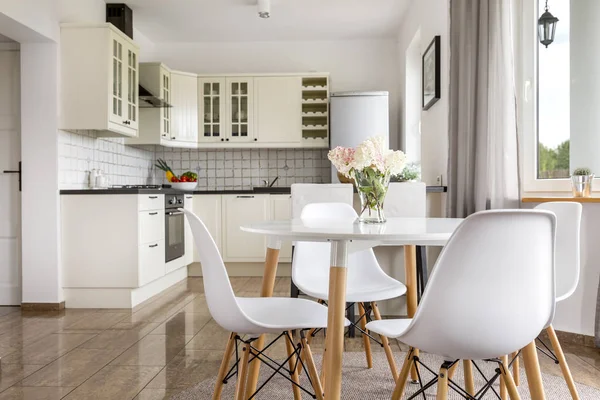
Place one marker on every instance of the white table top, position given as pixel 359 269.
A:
pixel 397 231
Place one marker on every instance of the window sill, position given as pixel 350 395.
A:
pixel 545 199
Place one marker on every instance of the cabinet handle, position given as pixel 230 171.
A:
pixel 153 197
pixel 164 135
pixel 245 197
pixel 153 245
pixel 153 213
pixel 190 197
pixel 227 139
pixel 222 140
pixel 255 139
pixel 173 137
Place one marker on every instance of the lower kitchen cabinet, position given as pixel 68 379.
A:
pixel 208 208
pixel 113 250
pixel 151 262
pixel 188 204
pixel 281 208
pixel 224 214
pixel 238 210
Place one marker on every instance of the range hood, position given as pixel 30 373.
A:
pixel 148 100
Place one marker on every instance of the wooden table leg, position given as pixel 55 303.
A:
pixel 532 370
pixel 336 315
pixel 268 284
pixel 410 271
pixel 515 368
pixel 503 390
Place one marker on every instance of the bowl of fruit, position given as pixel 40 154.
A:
pixel 186 181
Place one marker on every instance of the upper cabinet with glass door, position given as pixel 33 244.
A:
pixel 99 80
pixel 211 101
pixel 240 109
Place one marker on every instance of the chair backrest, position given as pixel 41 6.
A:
pixel 311 260
pixel 492 289
pixel 406 199
pixel 306 193
pixel 567 258
pixel 219 294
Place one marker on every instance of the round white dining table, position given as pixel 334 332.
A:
pixel 346 236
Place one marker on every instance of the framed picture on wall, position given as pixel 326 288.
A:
pixel 431 74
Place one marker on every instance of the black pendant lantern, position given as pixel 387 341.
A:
pixel 547 27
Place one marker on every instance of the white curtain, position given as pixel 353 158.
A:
pixel 483 156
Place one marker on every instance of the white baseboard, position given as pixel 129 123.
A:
pixel 120 297
pixel 244 269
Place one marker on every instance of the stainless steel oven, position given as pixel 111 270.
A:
pixel 174 227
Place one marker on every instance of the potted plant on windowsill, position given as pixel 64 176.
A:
pixel 581 181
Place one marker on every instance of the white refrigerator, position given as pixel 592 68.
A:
pixel 356 116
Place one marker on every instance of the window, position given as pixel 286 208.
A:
pixel 553 98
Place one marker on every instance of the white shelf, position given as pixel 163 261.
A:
pixel 313 127
pixel 318 101
pixel 314 114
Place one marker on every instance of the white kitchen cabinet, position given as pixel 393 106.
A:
pixel 240 109
pixel 208 208
pixel 281 209
pixel 113 250
pixel 211 110
pixel 188 204
pixel 151 261
pixel 240 210
pixel 184 114
pixel 155 122
pixel 99 80
pixel 278 109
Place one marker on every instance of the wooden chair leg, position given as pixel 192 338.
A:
pixel 442 384
pixel 468 373
pixel 366 339
pixel 229 348
pixel 403 377
pixel 515 368
pixel 312 369
pixel 503 391
pixel 292 363
pixel 242 373
pixel 452 370
pixel 322 376
pixel 509 383
pixel 562 362
pixel 386 345
pixel 532 369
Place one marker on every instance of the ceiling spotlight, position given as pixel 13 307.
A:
pixel 264 8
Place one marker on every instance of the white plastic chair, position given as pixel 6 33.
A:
pixel 253 317
pixel 490 252
pixel 366 282
pixel 567 258
pixel 403 200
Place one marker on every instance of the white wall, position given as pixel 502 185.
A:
pixel 35 24
pixel 431 17
pixel 354 65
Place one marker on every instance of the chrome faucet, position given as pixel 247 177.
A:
pixel 273 181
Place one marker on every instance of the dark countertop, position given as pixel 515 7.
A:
pixel 259 190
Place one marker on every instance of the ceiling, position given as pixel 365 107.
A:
pixel 4 39
pixel 291 20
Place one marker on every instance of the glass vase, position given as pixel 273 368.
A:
pixel 372 187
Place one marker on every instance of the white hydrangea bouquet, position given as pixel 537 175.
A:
pixel 370 165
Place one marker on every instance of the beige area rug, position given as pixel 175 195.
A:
pixel 360 383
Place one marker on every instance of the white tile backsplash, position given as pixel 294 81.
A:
pixel 83 151
pixel 245 168
pixel 218 169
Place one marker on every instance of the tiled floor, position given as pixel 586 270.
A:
pixel 152 352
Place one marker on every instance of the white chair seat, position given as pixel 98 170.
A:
pixel 277 314
pixel 391 328
pixel 365 292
